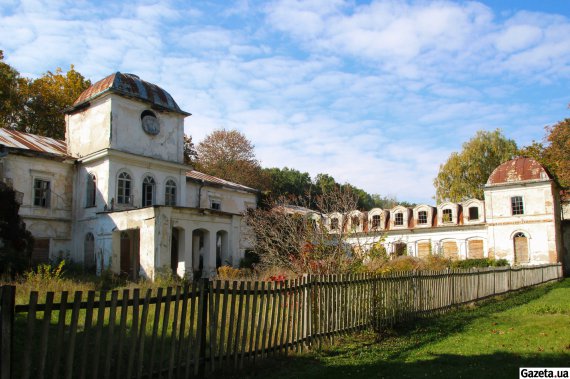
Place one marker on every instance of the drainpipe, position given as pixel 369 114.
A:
pixel 200 192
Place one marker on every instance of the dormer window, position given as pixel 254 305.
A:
pixel 375 221
pixel 399 219
pixel 355 221
pixel 447 216
pixel 473 213
pixel 422 217
pixel 334 223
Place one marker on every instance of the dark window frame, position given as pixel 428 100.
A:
pixel 42 193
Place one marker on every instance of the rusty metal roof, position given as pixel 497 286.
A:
pixel 518 170
pixel 21 140
pixel 130 85
pixel 196 175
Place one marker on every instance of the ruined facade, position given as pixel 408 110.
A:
pixel 116 193
pixel 521 220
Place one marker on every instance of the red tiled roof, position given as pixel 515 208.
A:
pixel 196 175
pixel 518 170
pixel 21 140
pixel 132 86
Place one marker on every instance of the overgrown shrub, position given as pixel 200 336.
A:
pixel 16 243
pixel 482 262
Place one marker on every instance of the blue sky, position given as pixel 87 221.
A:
pixel 375 93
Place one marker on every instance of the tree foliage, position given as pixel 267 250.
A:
pixel 12 86
pixel 287 182
pixel 554 151
pixel 465 173
pixel 228 154
pixel 190 153
pixel 16 243
pixel 292 240
pixel 37 105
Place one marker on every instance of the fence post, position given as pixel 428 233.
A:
pixel 7 301
pixel 202 325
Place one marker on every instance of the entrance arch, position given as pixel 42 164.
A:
pixel 200 251
pixel 520 244
pixel 222 249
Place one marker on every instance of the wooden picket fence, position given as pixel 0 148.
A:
pixel 209 325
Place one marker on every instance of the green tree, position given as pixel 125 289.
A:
pixel 287 182
pixel 11 97
pixel 190 153
pixel 464 174
pixel 46 99
pixel 228 154
pixel 554 151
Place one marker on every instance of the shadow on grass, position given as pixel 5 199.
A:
pixel 498 365
pixel 388 356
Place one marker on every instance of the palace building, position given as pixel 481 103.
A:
pixel 521 219
pixel 116 193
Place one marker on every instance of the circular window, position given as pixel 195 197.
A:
pixel 150 123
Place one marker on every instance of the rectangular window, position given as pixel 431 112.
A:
pixel 215 204
pixel 473 213
pixel 517 206
pixel 447 215
pixel 422 217
pixel 375 221
pixel 41 193
pixel 399 219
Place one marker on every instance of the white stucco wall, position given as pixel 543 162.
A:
pixel 53 222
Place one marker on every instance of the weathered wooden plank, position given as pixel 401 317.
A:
pixel 122 333
pixel 27 356
pixel 111 333
pixel 174 336
pixel 72 335
pixel 154 333
pixel 60 335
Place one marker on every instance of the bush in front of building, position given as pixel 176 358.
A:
pixel 482 262
pixel 16 243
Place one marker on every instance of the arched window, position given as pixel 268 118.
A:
pixel 422 217
pixel 148 189
pixel 91 189
pixel 124 189
pixel 447 215
pixel 170 193
pixel 399 219
pixel 375 221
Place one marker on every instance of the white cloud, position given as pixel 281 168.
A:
pixel 374 94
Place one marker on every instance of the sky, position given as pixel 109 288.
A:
pixel 375 93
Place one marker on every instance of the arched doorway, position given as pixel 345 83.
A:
pixel 400 249
pixel 520 243
pixel 130 264
pixel 222 251
pixel 200 251
pixel 174 251
pixel 89 263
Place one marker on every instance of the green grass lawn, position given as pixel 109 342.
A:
pixel 491 339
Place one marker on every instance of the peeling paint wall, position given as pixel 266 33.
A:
pixel 53 221
pixel 129 136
